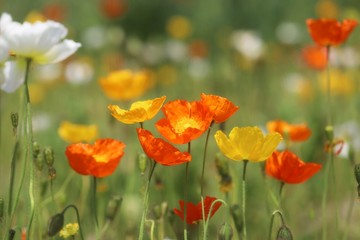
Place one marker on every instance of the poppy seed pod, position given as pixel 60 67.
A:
pixel 36 149
pixel 225 232
pixel 113 207
pixel 55 224
pixel 14 121
pixel 284 233
pixel 49 156
pixel 142 161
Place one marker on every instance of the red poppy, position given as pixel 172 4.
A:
pixel 315 57
pixel 330 32
pixel 113 8
pixel 221 107
pixel 294 132
pixel 194 212
pixel 289 168
pixel 184 121
pixel 98 160
pixel 161 151
pixel 199 49
pixel 55 11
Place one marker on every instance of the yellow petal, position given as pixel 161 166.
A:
pixel 269 145
pixel 226 146
pixel 247 140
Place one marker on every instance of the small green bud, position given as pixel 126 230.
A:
pixel 49 156
pixel 284 233
pixel 113 207
pixel 329 133
pixel 225 232
pixel 357 172
pixel 14 121
pixel 142 158
pixel 55 224
pixel 39 161
pixel 36 149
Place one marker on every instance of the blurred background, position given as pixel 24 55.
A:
pixel 251 52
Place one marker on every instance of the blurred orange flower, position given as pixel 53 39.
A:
pixel 161 151
pixel 139 111
pixel 199 49
pixel 288 168
pixel 113 8
pixel 315 57
pixel 126 85
pixel 184 121
pixel 194 212
pixel 330 32
pixel 221 107
pixel 99 160
pixel 74 133
pixel 293 132
pixel 55 11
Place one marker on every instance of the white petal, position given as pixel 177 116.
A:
pixel 59 52
pixel 4 50
pixel 4 20
pixel 13 74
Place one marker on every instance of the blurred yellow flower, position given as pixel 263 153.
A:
pixel 167 74
pixel 74 133
pixel 179 27
pixel 327 9
pixel 69 230
pixel 341 83
pixel 247 143
pixel 139 111
pixel 37 92
pixel 35 16
pixel 126 85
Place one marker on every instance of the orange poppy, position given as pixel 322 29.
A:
pixel 113 8
pixel 194 212
pixel 184 121
pixel 330 32
pixel 315 57
pixel 98 160
pixel 161 151
pixel 294 132
pixel 289 168
pixel 221 107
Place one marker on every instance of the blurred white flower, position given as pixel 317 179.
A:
pixel 288 33
pixel 43 42
pixel 48 72
pixel 78 72
pixel 41 122
pixel 153 53
pixel 134 46
pixel 4 50
pixel 176 51
pixel 199 68
pixel 248 43
pixel 344 57
pixel 94 37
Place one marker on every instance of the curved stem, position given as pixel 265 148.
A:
pixel 206 221
pixel 272 221
pixel 146 201
pixel 77 216
pixel 243 203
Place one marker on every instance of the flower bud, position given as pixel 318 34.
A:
pixel 49 156
pixel 329 133
pixel 113 207
pixel 284 233
pixel 142 158
pixel 39 161
pixel 55 224
pixel 357 172
pixel 222 165
pixel 36 149
pixel 14 121
pixel 11 234
pixel 225 232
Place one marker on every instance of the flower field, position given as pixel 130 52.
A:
pixel 181 119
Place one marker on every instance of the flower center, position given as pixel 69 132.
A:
pixel 184 123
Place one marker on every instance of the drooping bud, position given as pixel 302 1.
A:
pixel 284 233
pixel 49 156
pixel 142 160
pixel 113 207
pixel 56 223
pixel 14 121
pixel 357 172
pixel 11 234
pixel 36 149
pixel 225 232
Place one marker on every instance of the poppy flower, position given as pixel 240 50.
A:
pixel 113 8
pixel 247 143
pixel 98 160
pixel 184 121
pixel 75 133
pixel 330 32
pixel 125 84
pixel 315 57
pixel 221 107
pixel 289 168
pixel 161 151
pixel 295 132
pixel 194 212
pixel 139 111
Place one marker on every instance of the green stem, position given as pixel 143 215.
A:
pixel 206 221
pixel 328 88
pixel 146 201
pixel 12 175
pixel 94 208
pixel 77 216
pixel 185 193
pixel 204 160
pixel 272 221
pixel 243 203
pixel 282 184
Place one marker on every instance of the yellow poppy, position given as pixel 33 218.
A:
pixel 75 133
pixel 139 111
pixel 126 85
pixel 69 230
pixel 247 143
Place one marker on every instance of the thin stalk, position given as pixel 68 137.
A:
pixel 185 193
pixel 204 160
pixel 146 202
pixel 282 184
pixel 77 216
pixel 272 221
pixel 206 221
pixel 12 175
pixel 243 203
pixel 94 207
